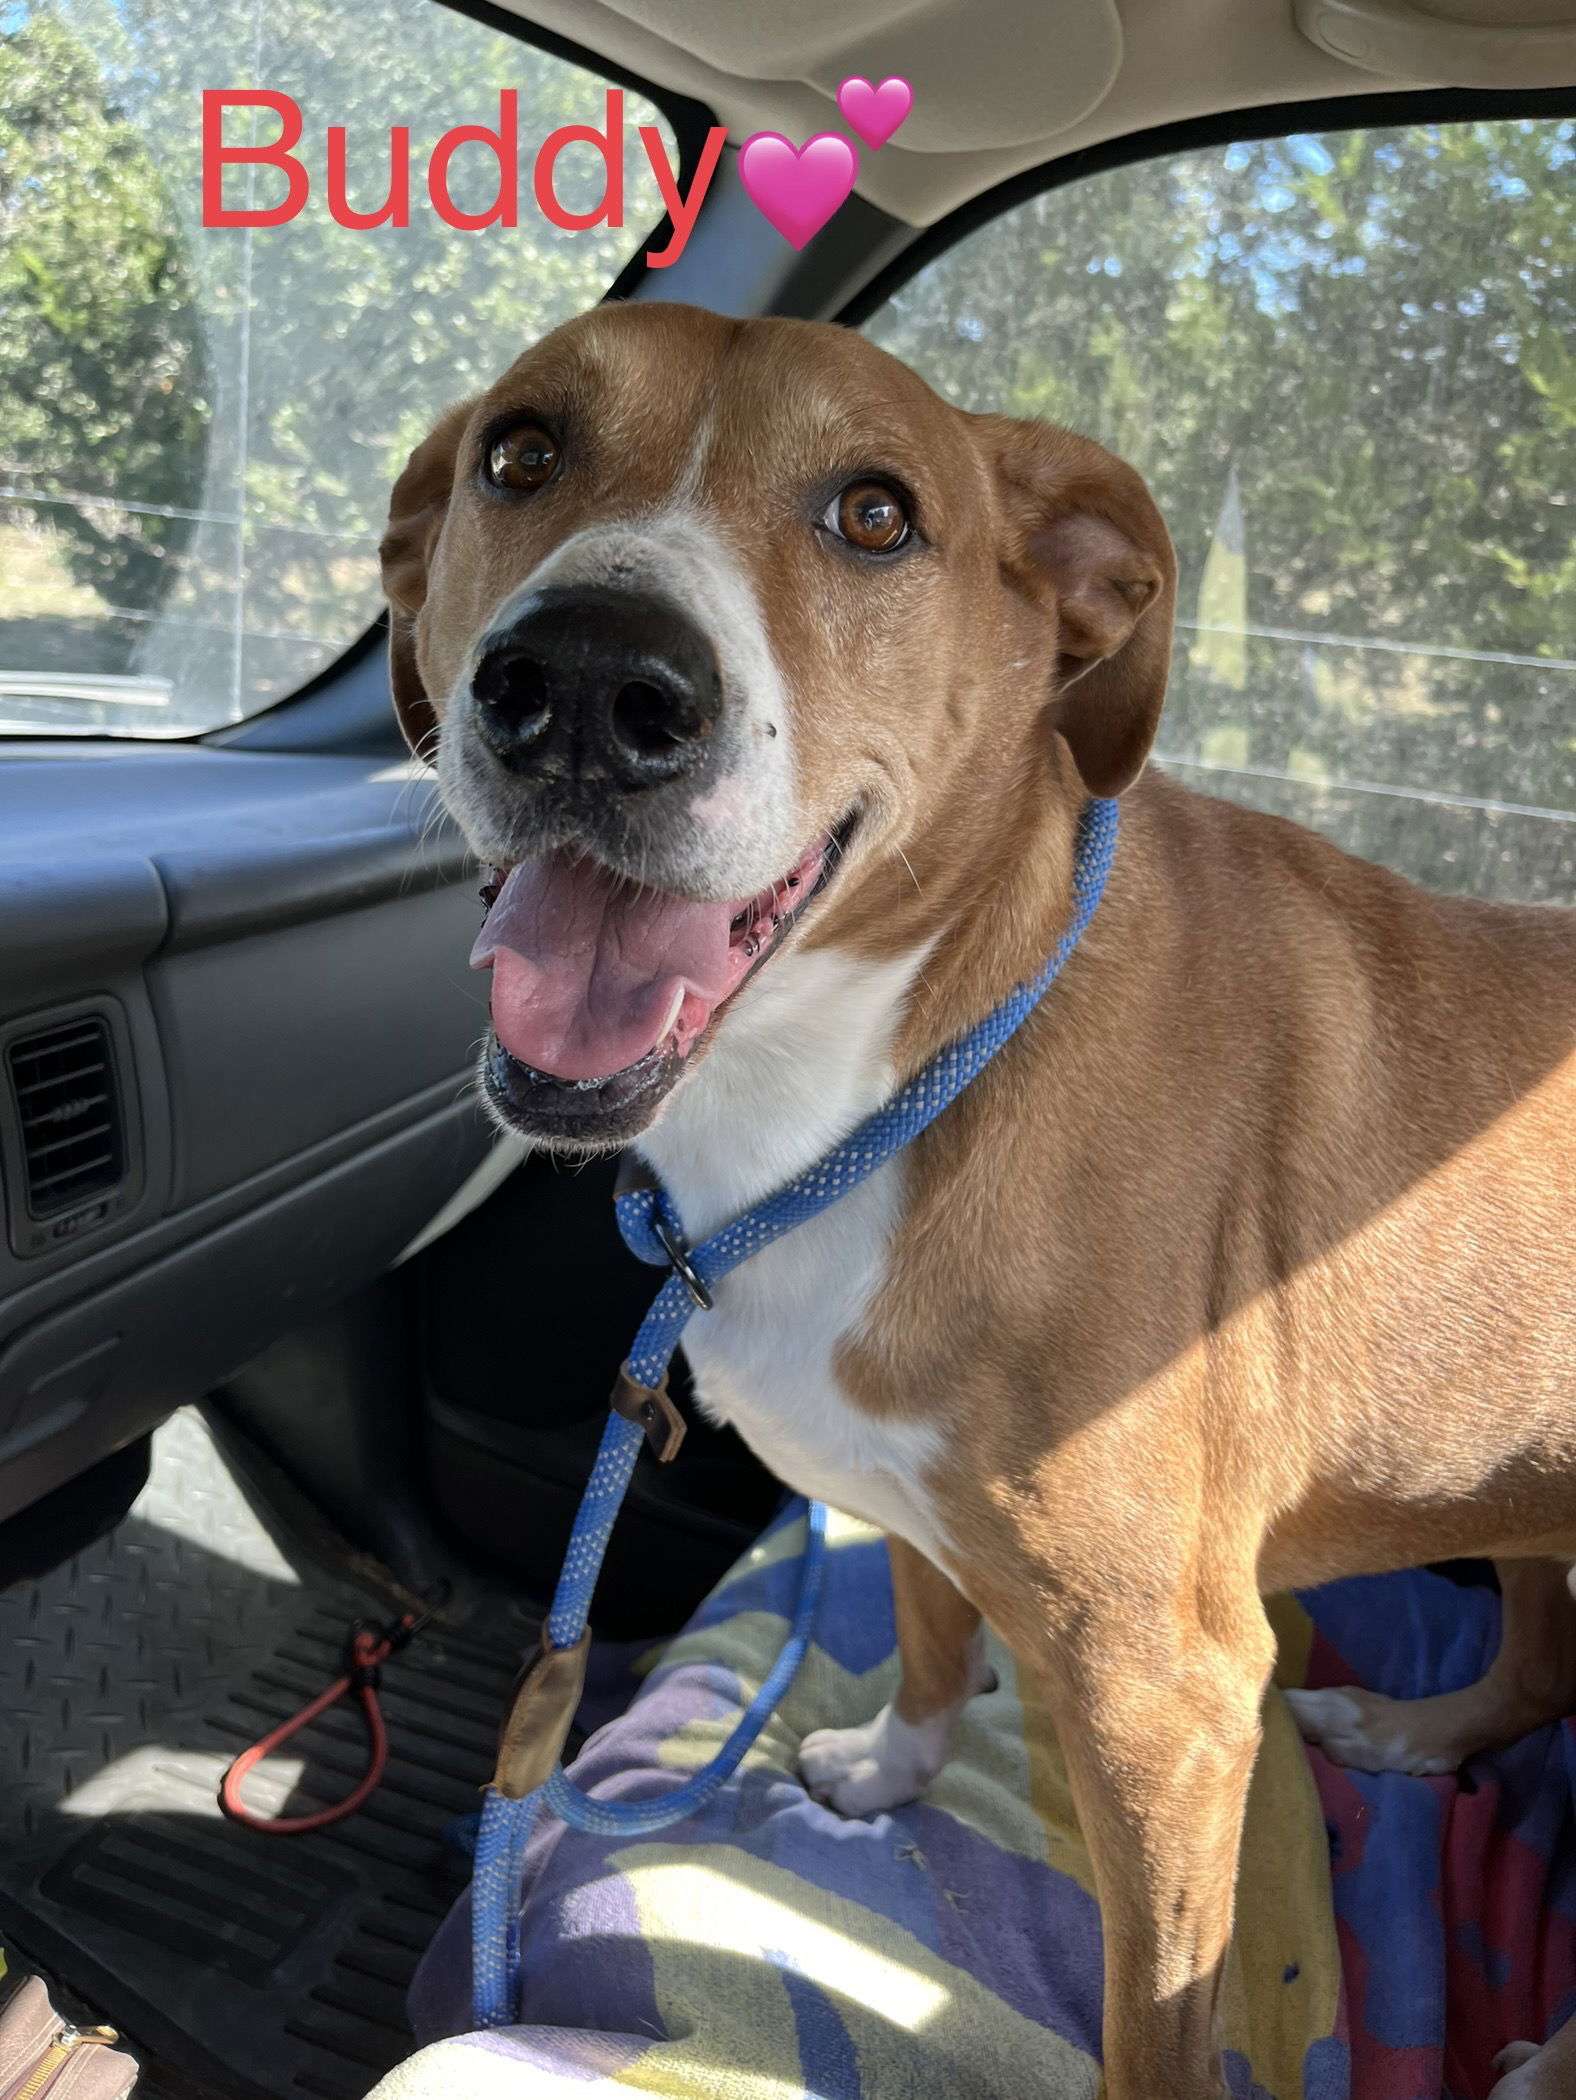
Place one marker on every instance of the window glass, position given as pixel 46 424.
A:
pixel 198 427
pixel 1347 366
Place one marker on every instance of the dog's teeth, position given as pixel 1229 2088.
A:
pixel 674 1011
pixel 752 946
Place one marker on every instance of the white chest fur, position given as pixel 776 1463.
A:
pixel 801 1061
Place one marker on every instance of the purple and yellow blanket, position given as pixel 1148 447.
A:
pixel 1392 1933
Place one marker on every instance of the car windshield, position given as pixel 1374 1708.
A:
pixel 199 424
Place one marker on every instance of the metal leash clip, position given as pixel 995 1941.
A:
pixel 679 1255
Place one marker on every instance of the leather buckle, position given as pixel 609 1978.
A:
pixel 541 1712
pixel 653 1408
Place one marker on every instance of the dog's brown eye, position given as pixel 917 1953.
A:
pixel 522 457
pixel 871 517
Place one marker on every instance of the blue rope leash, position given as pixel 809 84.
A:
pixel 653 1230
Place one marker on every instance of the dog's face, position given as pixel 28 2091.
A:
pixel 704 622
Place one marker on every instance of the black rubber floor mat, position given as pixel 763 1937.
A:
pixel 242 1964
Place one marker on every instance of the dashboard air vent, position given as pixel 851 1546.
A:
pixel 68 1115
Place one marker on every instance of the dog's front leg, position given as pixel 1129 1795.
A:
pixel 893 1758
pixel 1156 1696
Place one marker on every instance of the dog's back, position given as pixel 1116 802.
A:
pixel 1373 1136
pixel 1430 1016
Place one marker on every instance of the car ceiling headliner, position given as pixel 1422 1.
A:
pixel 999 85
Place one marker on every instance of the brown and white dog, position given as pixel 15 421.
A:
pixel 772 687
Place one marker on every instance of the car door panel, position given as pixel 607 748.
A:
pixel 270 951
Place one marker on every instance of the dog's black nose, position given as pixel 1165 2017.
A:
pixel 595 683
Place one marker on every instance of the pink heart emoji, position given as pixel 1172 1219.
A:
pixel 797 188
pixel 875 112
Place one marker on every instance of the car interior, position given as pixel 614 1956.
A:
pixel 290 1335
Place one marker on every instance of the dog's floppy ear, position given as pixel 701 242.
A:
pixel 1083 530
pixel 416 513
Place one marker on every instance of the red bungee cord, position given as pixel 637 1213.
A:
pixel 366 1649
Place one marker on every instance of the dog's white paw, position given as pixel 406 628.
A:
pixel 1519 2077
pixel 861 1771
pixel 1372 1733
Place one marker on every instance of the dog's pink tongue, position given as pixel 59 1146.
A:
pixel 589 973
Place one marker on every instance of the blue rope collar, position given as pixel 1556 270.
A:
pixel 654 1231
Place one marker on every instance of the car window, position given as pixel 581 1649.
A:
pixel 199 425
pixel 1347 366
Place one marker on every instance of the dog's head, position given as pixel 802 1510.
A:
pixel 709 625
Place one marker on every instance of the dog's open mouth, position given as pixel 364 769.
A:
pixel 599 982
